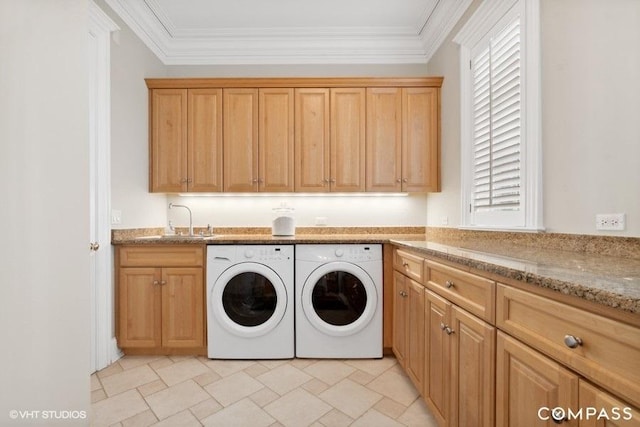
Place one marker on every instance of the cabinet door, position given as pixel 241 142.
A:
pixel 527 381
pixel 205 140
pixel 420 139
pixel 620 413
pixel 312 140
pixel 473 349
pixel 400 302
pixel 139 317
pixel 168 140
pixel 415 336
pixel 240 147
pixel 384 139
pixel 436 356
pixel 348 120
pixel 182 307
pixel 275 158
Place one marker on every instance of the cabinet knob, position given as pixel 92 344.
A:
pixel 448 330
pixel 442 326
pixel 405 180
pixel 405 265
pixel 558 416
pixel 94 246
pixel 398 180
pixel 155 282
pixel 403 294
pixel 163 282
pixel 572 341
pixel 448 284
pixel 184 181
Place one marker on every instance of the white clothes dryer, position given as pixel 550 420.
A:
pixel 250 301
pixel 339 301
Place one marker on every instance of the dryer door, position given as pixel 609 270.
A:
pixel 248 299
pixel 339 298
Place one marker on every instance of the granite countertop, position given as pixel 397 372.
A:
pixel 612 281
pixel 606 280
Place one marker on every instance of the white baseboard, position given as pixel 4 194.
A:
pixel 116 353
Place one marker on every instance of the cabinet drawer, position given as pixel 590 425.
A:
pixel 409 264
pixel 610 350
pixel 161 256
pixel 473 293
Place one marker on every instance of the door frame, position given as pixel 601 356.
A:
pixel 103 348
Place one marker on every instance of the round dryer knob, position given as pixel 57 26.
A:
pixel 249 253
pixel 339 252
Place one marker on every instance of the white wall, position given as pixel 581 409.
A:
pixel 131 63
pixel 44 260
pixel 591 100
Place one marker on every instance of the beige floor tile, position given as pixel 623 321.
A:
pixel 271 364
pixel 117 408
pixel 204 409
pixel 112 369
pixel 256 370
pixel 297 408
pixel 335 418
pixel 361 377
pixel 241 414
pixel 143 419
pixel 98 395
pixel 374 367
pixel 301 363
pixel 233 388
pixel 128 362
pixel 127 380
pixel 418 415
pixel 396 386
pixel 207 378
pixel 330 371
pixel 95 382
pixel 152 387
pixel 181 371
pixel 224 368
pixel 176 399
pixel 373 418
pixel 161 363
pixel 390 408
pixel 181 419
pixel 264 396
pixel 284 378
pixel 350 398
pixel 315 386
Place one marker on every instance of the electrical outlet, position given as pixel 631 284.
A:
pixel 610 221
pixel 116 217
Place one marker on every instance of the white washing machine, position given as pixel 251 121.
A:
pixel 250 301
pixel 339 301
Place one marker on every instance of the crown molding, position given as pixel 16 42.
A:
pixel 351 45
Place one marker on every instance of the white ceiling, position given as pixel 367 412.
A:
pixel 291 31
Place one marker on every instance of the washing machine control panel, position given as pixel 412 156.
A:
pixel 354 253
pixel 262 254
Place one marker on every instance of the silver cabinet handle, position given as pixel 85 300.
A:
pixel 442 326
pixel 572 341
pixel 94 246
pixel 448 330
pixel 448 284
pixel 403 294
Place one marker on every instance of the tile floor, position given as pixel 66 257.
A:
pixel 196 391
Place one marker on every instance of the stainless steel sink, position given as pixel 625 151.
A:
pixel 178 237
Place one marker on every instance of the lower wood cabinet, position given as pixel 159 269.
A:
pixel 459 365
pixel 160 301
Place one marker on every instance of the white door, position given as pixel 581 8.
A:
pixel 100 28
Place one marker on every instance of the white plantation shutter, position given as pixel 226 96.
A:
pixel 496 121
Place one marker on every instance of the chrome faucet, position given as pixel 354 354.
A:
pixel 173 205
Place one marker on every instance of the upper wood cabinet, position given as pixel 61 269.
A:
pixel 240 138
pixel 403 139
pixel 186 140
pixel 294 134
pixel 275 136
pixel 330 139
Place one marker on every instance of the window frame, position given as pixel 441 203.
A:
pixel 488 20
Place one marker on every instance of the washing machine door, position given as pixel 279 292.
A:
pixel 339 298
pixel 249 299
